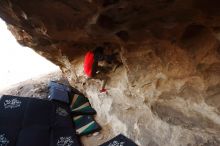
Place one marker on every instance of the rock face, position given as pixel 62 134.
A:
pixel 167 93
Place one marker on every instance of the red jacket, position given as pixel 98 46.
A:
pixel 88 63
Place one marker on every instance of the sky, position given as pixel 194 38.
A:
pixel 19 63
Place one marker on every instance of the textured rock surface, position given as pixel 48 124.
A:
pixel 167 93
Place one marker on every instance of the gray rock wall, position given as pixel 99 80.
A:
pixel 164 98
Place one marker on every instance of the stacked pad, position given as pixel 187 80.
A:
pixel 120 140
pixel 35 122
pixel 83 115
pixel 85 125
pixel 80 107
pixel 59 92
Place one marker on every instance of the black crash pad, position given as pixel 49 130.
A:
pixel 35 122
pixel 120 140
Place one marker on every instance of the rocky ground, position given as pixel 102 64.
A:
pixel 36 87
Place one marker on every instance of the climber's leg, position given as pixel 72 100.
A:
pixel 104 81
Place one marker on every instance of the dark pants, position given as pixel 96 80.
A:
pixel 101 57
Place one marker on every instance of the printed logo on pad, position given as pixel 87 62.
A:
pixel 13 103
pixel 116 143
pixel 3 140
pixel 65 141
pixel 62 112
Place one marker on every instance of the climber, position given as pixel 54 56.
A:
pixel 91 67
